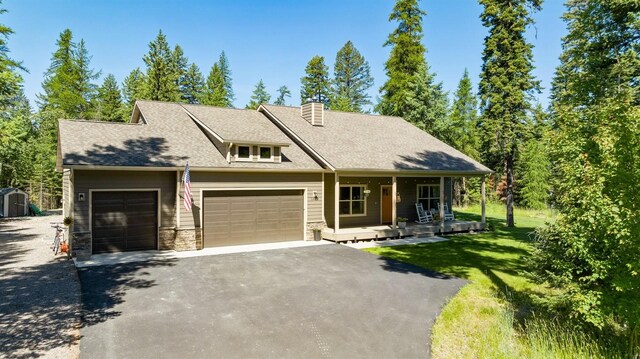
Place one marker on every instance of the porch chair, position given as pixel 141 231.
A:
pixel 423 216
pixel 448 215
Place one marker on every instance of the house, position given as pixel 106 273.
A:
pixel 13 202
pixel 265 175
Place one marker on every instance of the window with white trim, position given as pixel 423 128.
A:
pixel 353 201
pixel 265 153
pixel 429 196
pixel 243 153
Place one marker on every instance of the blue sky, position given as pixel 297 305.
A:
pixel 268 40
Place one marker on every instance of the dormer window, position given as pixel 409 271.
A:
pixel 244 153
pixel 266 153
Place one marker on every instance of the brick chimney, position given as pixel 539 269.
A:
pixel 313 112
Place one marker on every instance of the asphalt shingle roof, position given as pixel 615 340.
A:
pixel 169 139
pixel 353 141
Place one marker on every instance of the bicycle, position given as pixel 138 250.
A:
pixel 58 238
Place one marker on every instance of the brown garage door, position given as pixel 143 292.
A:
pixel 246 217
pixel 124 221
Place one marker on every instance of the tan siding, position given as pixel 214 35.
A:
pixel 93 180
pixel 218 180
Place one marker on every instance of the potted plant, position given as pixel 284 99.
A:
pixel 402 222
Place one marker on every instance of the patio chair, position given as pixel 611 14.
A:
pixel 448 215
pixel 423 216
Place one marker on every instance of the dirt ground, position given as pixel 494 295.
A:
pixel 40 293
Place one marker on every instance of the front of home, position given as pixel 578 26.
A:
pixel 267 175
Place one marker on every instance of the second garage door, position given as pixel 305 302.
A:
pixel 248 217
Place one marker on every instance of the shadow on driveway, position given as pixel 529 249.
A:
pixel 320 301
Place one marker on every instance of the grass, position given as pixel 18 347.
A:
pixel 497 314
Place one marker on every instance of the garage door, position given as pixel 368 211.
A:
pixel 246 217
pixel 124 221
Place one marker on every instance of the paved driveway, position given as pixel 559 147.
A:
pixel 324 301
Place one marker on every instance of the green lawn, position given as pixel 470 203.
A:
pixel 494 316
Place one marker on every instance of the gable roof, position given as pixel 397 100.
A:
pixel 168 138
pixel 361 142
pixel 4 191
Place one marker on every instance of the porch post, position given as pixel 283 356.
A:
pixel 483 201
pixel 394 197
pixel 336 206
pixel 441 204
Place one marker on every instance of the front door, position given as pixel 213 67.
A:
pixel 386 203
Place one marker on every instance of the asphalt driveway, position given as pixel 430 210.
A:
pixel 313 302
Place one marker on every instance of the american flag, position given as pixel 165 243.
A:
pixel 186 182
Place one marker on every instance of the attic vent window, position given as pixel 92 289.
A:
pixel 244 152
pixel 266 153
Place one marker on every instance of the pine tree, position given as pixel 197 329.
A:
pixel 179 65
pixel 109 101
pixel 283 93
pixel 535 174
pixel 315 84
pixel 405 59
pixel 427 104
pixel 352 79
pixel 67 85
pixel 192 86
pixel 259 96
pixel 215 93
pixel 16 133
pixel 592 251
pixel 133 87
pixel 223 63
pixel 506 85
pixel 10 78
pixel 162 77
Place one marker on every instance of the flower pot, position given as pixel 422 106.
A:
pixel 317 235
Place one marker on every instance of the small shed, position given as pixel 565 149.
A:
pixel 13 202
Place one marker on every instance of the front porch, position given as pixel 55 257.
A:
pixel 387 231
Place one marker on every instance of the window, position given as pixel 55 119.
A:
pixel 243 153
pixel 266 153
pixel 429 196
pixel 352 200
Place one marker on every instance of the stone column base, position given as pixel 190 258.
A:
pixel 313 226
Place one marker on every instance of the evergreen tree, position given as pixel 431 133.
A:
pixel 283 93
pixel 67 85
pixel 352 79
pixel 427 104
pixel 405 59
pixel 179 64
pixel 162 77
pixel 592 251
pixel 215 93
pixel 192 86
pixel 223 64
pixel 259 96
pixel 463 135
pixel 535 174
pixel 315 84
pixel 109 101
pixel 133 87
pixel 506 85
pixel 10 78
pixel 16 133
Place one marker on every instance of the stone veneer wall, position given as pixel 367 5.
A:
pixel 178 239
pixel 81 245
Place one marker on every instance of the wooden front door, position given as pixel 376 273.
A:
pixel 386 203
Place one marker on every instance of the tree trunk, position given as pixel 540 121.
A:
pixel 509 171
pixel 457 195
pixel 464 194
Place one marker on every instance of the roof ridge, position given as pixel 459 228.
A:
pixel 336 111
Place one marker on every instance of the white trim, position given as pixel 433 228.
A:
pixel 237 157
pixel 218 189
pixel 390 190
pixel 295 137
pixel 25 204
pixel 394 194
pixel 195 169
pixel 351 185
pixel 389 173
pixel 159 209
pixel 324 219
